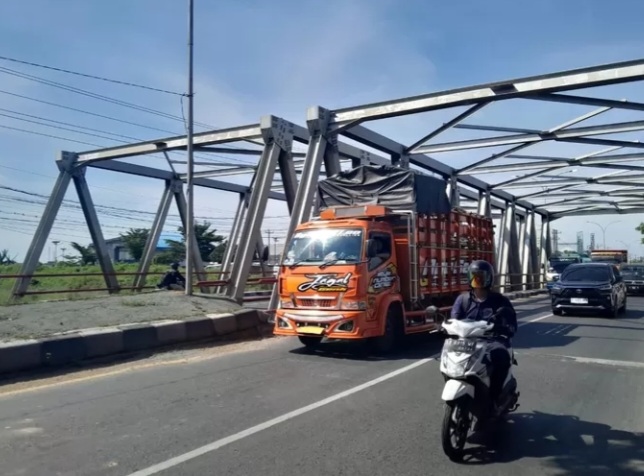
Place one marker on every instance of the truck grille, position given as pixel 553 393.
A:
pixel 324 303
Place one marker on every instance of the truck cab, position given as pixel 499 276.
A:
pixel 338 276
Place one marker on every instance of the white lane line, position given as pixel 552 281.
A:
pixel 591 360
pixel 215 445
pixel 536 319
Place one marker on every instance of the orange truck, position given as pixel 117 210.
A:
pixel 386 245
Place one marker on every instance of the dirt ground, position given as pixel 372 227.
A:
pixel 36 320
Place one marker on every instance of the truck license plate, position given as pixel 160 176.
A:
pixel 578 300
pixel 314 330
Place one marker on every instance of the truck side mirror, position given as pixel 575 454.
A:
pixel 265 254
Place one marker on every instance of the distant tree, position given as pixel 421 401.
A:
pixel 208 241
pixel 135 239
pixel 87 254
pixel 217 254
pixel 640 228
pixel 5 258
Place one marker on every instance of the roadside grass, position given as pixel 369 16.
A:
pixel 73 283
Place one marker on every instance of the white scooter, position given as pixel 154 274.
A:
pixel 466 394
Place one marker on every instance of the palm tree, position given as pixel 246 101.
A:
pixel 88 256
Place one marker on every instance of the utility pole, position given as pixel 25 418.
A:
pixel 55 242
pixel 190 219
pixel 268 233
pixel 555 241
pixel 275 241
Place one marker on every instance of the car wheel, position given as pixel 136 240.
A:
pixel 557 312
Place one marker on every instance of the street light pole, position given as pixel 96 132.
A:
pixel 190 219
pixel 603 229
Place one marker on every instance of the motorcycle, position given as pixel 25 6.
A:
pixel 466 393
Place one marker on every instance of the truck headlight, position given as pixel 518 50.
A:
pixel 288 304
pixel 353 306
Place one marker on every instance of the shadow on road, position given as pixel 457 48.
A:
pixel 564 443
pixel 557 334
pixel 419 346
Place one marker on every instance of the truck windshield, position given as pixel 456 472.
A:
pixel 325 244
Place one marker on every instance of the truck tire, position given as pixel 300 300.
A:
pixel 393 331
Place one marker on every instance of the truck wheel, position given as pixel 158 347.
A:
pixel 388 342
pixel 310 342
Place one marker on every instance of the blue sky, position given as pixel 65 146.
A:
pixel 255 58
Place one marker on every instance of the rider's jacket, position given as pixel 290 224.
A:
pixel 468 307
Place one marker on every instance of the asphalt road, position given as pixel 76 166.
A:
pixel 268 408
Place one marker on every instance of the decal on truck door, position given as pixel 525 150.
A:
pixel 384 279
pixel 325 283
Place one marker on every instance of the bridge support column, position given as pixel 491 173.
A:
pixel 452 193
pixel 233 239
pixel 529 252
pixel 485 209
pixel 509 263
pixel 321 149
pixel 545 248
pixel 278 137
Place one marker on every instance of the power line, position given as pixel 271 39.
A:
pixel 87 112
pixel 48 135
pixel 208 157
pixel 93 95
pixel 76 204
pixel 85 75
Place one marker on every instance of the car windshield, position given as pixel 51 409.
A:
pixel 633 271
pixel 559 267
pixel 324 245
pixel 586 274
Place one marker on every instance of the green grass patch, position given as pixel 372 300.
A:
pixel 80 282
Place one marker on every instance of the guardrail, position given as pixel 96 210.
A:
pixel 80 288
pixel 253 295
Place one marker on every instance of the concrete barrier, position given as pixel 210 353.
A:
pixel 76 346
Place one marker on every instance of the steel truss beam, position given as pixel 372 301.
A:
pixel 485 93
pixel 517 249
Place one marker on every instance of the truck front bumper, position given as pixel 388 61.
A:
pixel 330 324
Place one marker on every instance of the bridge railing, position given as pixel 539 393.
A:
pixel 258 287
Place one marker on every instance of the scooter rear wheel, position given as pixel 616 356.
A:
pixel 456 425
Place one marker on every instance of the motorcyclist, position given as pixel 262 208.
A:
pixel 481 303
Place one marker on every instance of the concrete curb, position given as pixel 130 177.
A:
pixel 525 294
pixel 75 346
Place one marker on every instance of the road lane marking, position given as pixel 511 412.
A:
pixel 536 319
pixel 215 445
pixel 592 360
pixel 12 389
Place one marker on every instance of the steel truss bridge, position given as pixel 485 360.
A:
pixel 613 184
